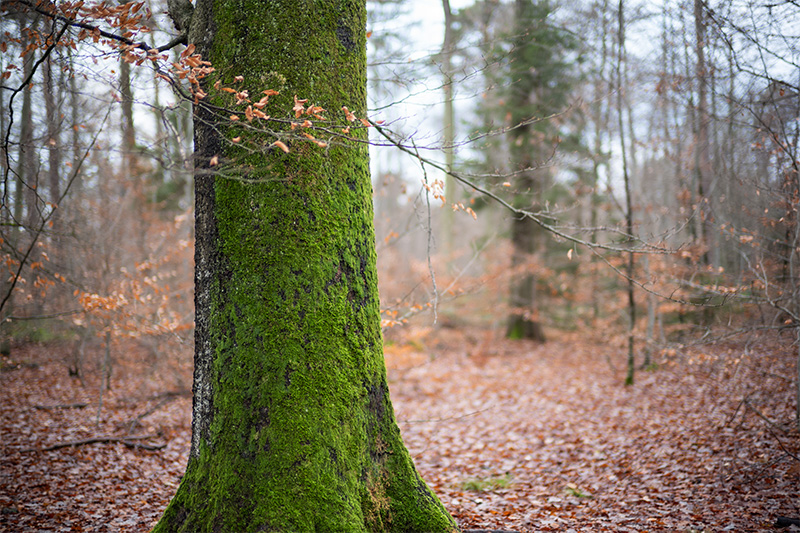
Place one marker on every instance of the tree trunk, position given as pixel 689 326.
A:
pixel 523 321
pixel 53 118
pixel 449 129
pixel 292 428
pixel 702 159
pixel 629 269
pixel 600 127
pixel 27 177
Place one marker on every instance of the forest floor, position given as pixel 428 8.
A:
pixel 511 435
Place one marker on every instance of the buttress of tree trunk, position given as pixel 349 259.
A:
pixel 293 428
pixel 521 327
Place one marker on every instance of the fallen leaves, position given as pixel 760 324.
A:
pixel 586 453
pixel 529 438
pixel 103 486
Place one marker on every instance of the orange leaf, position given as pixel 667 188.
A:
pixel 282 146
pixel 348 114
pixel 298 108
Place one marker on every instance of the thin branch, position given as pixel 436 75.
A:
pixel 19 89
pixel 70 22
pixel 127 441
pixel 61 406
pixel 430 241
pixel 75 172
pixel 539 218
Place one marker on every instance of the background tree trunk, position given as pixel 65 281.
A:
pixel 293 429
pixel 449 129
pixel 629 267
pixel 27 176
pixel 523 322
pixel 702 159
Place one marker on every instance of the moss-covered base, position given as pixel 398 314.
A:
pixel 322 484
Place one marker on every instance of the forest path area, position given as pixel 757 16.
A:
pixel 511 435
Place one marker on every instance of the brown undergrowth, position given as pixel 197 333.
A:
pixel 510 435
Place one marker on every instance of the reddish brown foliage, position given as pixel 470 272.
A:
pixel 679 451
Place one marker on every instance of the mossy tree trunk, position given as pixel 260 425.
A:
pixel 293 429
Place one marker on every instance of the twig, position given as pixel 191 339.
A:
pixel 782 447
pixel 132 423
pixel 62 406
pixel 127 441
pixel 783 521
pixel 38 232
pixel 71 22
pixel 764 417
pixel 448 418
pixel 430 238
pixel 488 531
pixel 149 447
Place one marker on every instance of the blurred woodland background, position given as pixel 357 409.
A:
pixel 624 168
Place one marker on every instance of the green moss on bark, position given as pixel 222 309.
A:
pixel 293 427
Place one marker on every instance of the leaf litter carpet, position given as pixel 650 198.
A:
pixel 511 435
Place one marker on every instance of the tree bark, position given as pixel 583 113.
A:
pixel 702 159
pixel 523 321
pixel 293 428
pixel 449 128
pixel 629 267
pixel 53 118
pixel 600 123
pixel 27 177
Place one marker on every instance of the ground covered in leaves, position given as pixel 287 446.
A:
pixel 511 435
